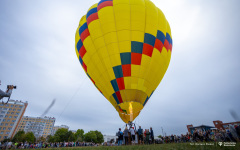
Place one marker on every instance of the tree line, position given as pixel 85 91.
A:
pixel 61 135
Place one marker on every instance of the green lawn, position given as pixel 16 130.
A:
pixel 181 146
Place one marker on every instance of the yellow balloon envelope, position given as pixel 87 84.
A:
pixel 125 47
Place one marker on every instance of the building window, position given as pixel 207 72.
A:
pixel 19 109
pixel 14 109
pixel 5 137
pixel 2 112
pixel 8 120
pixel 11 124
pixel 9 128
pixel 4 119
pixel 20 106
pixel 11 105
pixel 16 106
pixel 10 116
pixel 12 112
pixel 17 113
pixel 8 112
pixel 13 120
pixel 6 116
pixel 15 116
pixel 4 128
pixel 1 124
pixel 1 115
pixel 6 124
pixel 10 108
pixel 1 132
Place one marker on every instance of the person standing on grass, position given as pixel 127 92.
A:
pixel 144 136
pixel 152 135
pixel 125 134
pixel 120 137
pixel 140 134
pixel 147 136
pixel 132 131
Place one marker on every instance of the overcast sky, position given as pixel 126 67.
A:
pixel 202 82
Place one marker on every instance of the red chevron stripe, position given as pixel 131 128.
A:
pixel 82 52
pixel 105 4
pixel 84 35
pixel 119 97
pixel 92 17
pixel 158 45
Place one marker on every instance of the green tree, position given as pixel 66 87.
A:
pixel 19 136
pixel 29 137
pixel 50 139
pixel 42 139
pixel 6 140
pixel 70 136
pixel 79 135
pixel 99 136
pixel 61 135
pixel 90 137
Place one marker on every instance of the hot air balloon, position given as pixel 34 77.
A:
pixel 124 46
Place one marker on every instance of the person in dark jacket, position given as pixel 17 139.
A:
pixel 120 137
pixel 140 135
pixel 152 135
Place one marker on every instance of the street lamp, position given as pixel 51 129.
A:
pixel 162 131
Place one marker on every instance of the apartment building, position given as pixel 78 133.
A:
pixel 10 117
pixel 40 126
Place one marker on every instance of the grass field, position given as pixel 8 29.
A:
pixel 181 146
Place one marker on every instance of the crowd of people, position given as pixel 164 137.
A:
pixel 27 145
pixel 230 134
pixel 133 136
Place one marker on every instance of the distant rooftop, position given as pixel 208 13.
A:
pixel 19 102
pixel 201 126
pixel 62 126
pixel 49 118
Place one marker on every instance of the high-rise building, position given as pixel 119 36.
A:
pixel 41 127
pixel 55 128
pixel 10 116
